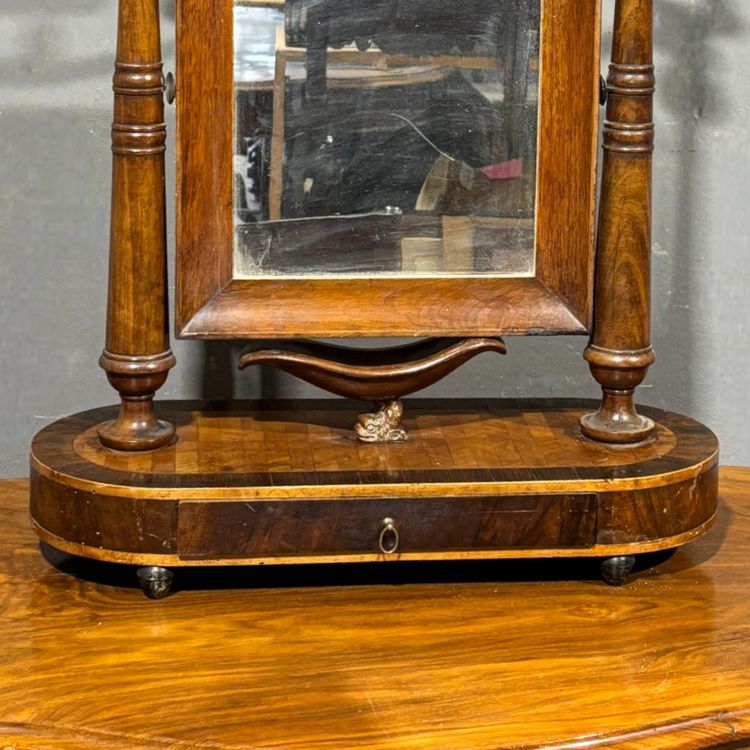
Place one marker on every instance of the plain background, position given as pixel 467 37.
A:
pixel 55 112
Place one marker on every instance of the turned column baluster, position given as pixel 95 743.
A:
pixel 620 352
pixel 137 357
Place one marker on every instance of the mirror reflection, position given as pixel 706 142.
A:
pixel 385 137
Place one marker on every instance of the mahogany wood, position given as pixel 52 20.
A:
pixel 137 355
pixel 212 304
pixel 226 530
pixel 410 307
pixel 259 482
pixel 620 352
pixel 480 656
pixel 372 374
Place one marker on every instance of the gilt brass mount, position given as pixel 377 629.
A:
pixel 383 425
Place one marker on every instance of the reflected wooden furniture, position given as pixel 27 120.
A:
pixel 480 656
pixel 369 69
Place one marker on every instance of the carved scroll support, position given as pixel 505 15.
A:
pixel 137 357
pixel 620 352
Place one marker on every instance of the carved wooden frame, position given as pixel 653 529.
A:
pixel 211 303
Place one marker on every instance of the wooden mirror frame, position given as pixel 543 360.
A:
pixel 211 303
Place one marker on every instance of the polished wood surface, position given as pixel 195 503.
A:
pixel 310 528
pixel 372 374
pixel 212 303
pixel 268 308
pixel 282 442
pixel 619 353
pixel 255 482
pixel 383 375
pixel 480 656
pixel 137 357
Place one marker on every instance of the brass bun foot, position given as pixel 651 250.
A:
pixel 155 581
pixel 382 426
pixel 615 570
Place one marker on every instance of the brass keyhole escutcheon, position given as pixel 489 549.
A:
pixel 389 539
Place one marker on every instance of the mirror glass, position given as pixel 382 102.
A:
pixel 385 137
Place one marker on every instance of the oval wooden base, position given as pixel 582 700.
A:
pixel 286 482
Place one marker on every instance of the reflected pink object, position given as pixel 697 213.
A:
pixel 504 170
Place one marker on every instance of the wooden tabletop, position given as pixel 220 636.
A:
pixel 384 657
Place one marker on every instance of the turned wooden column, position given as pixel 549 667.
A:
pixel 137 357
pixel 620 352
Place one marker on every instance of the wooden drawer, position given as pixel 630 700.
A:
pixel 247 529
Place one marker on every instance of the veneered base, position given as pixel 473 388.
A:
pixel 288 482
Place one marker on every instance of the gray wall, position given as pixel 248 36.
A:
pixel 55 99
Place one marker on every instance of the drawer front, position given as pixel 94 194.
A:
pixel 248 529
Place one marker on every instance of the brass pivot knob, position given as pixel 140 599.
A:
pixel 170 88
pixel 388 540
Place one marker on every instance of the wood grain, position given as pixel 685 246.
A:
pixel 260 483
pixel 286 443
pixel 619 353
pixel 248 309
pixel 381 374
pixel 569 131
pixel 480 657
pixel 137 356
pixel 309 528
pixel 203 231
pixel 211 303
